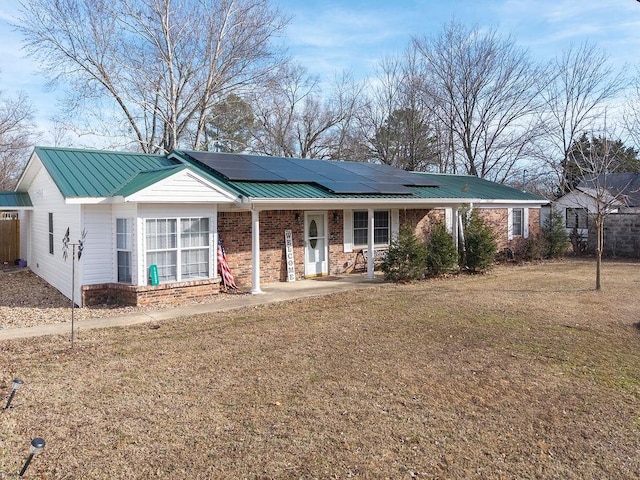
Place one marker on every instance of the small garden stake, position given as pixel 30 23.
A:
pixel 65 250
pixel 17 383
pixel 37 445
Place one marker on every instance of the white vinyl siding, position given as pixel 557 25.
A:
pixel 47 199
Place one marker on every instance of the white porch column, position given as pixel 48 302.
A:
pixel 255 252
pixel 370 247
pixel 455 232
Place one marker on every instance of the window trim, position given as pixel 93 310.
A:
pixel 519 231
pixel 576 211
pixel 525 223
pixel 375 228
pixel 179 249
pixel 128 249
pixel 51 238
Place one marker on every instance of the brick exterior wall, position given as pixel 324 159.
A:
pixel 497 219
pixel 164 294
pixel 234 228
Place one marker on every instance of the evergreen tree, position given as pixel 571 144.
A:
pixel 555 235
pixel 406 259
pixel 480 244
pixel 441 253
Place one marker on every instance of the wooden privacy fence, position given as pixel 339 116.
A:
pixel 9 239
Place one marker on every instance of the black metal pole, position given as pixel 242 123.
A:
pixel 13 392
pixel 73 289
pixel 26 464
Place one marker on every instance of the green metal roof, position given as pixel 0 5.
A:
pixel 94 173
pixel 450 186
pixel 471 187
pixel 15 200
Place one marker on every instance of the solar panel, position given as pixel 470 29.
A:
pixel 335 176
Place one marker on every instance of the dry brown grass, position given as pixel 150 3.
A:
pixel 525 372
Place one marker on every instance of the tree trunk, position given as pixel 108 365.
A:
pixel 599 243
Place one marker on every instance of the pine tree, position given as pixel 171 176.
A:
pixel 480 244
pixel 406 259
pixel 441 255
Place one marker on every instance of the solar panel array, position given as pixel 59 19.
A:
pixel 335 176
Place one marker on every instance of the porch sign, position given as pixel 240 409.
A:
pixel 291 265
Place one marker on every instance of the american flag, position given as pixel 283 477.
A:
pixel 223 268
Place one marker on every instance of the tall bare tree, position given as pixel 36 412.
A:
pixel 631 115
pixel 483 90
pixel 159 65
pixel 394 124
pixel 16 137
pixel 580 86
pixel 295 118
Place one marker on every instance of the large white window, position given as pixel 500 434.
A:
pixel 361 227
pixel 123 249
pixel 194 238
pixel 180 247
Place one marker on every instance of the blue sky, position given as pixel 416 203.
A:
pixel 330 36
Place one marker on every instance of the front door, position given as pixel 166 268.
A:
pixel 315 254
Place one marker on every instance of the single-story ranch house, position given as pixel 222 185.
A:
pixel 150 224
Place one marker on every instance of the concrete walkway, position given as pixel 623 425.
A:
pixel 273 292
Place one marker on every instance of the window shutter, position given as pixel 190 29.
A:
pixel 525 222
pixel 448 219
pixel 348 231
pixel 510 224
pixel 395 224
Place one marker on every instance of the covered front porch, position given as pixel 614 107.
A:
pixel 323 242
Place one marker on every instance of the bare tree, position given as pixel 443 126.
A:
pixel 601 192
pixel 395 125
pixel 631 115
pixel 483 90
pixel 294 118
pixel 582 84
pixel 16 137
pixel 158 65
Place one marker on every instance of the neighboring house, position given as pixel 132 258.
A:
pixel 137 210
pixel 619 198
pixel 617 193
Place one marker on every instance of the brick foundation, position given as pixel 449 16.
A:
pixel 164 294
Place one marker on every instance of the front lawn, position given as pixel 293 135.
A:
pixel 524 372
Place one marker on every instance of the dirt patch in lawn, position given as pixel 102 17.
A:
pixel 525 372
